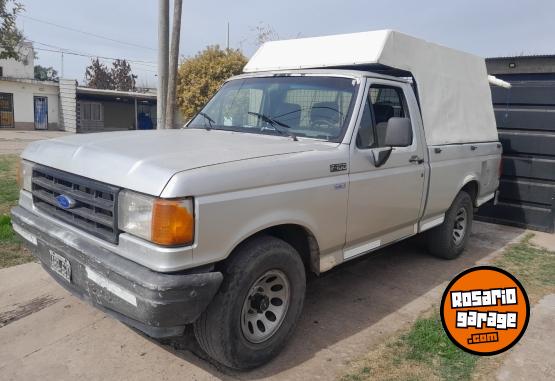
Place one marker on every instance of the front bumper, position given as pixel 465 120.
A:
pixel 158 304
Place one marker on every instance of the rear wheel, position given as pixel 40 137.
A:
pixel 257 307
pixel 449 239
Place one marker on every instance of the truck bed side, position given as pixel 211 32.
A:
pixel 454 166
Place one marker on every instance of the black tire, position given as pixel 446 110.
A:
pixel 218 330
pixel 440 240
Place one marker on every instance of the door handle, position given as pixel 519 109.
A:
pixel 415 159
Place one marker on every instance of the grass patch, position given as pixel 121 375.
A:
pixel 424 352
pixel 12 251
pixel 9 191
pixel 7 235
pixel 427 342
pixel 532 265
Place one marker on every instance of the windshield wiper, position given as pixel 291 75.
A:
pixel 210 120
pixel 275 123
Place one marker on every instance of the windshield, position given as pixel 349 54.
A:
pixel 304 106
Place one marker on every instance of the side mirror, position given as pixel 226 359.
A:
pixel 380 155
pixel 398 132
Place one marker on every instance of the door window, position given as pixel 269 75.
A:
pixel 366 137
pixel 387 102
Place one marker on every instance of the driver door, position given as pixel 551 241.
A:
pixel 384 202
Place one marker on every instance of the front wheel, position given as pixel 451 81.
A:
pixel 257 307
pixel 449 239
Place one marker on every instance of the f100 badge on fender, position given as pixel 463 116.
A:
pixel 485 310
pixel 338 167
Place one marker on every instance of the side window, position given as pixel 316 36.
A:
pixel 90 111
pixel 365 136
pixel 387 102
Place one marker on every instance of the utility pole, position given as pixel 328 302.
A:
pixel 227 35
pixel 174 56
pixel 163 30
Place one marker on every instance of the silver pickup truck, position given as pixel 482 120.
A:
pixel 216 224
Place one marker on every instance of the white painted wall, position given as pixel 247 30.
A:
pixel 20 69
pixel 23 93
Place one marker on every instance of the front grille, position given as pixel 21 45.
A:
pixel 95 209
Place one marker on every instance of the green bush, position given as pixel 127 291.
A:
pixel 201 76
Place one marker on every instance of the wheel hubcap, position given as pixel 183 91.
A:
pixel 260 303
pixel 459 228
pixel 265 306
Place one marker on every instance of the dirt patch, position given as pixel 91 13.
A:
pixel 23 310
pixel 14 141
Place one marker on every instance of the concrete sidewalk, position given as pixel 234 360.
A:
pixel 533 358
pixel 47 334
pixel 15 141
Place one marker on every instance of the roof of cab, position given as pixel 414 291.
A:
pixel 350 73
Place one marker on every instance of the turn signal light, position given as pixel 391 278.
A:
pixel 172 222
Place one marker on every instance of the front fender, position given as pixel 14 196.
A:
pixel 226 220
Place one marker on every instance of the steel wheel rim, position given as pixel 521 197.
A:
pixel 265 306
pixel 459 227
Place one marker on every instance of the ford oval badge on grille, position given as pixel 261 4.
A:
pixel 65 202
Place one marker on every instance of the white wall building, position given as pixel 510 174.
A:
pixel 11 68
pixel 28 104
pixel 25 103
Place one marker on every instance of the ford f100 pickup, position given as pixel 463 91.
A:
pixel 324 150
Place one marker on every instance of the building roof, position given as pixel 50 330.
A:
pixel 115 93
pixel 29 81
pixel 532 64
pixel 530 56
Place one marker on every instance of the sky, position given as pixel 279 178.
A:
pixel 488 28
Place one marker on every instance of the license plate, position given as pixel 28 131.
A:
pixel 60 266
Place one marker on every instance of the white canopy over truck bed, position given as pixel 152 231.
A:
pixel 453 87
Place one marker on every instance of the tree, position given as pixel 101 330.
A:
pixel 10 36
pixel 98 76
pixel 264 33
pixel 119 77
pixel 201 76
pixel 45 73
pixel 122 77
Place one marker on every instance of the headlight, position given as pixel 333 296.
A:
pixel 23 175
pixel 167 222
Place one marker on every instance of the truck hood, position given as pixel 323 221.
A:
pixel 145 161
